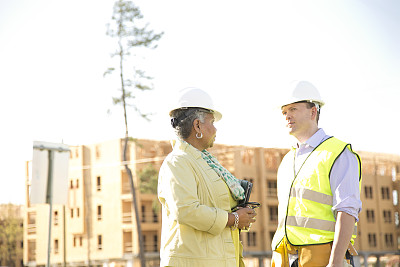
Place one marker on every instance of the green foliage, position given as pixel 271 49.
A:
pixel 11 232
pixel 148 183
pixel 130 32
pixel 148 180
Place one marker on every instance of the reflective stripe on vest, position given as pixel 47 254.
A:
pixel 305 193
pixel 319 224
pixel 313 223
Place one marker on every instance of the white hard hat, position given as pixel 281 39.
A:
pixel 195 98
pixel 303 91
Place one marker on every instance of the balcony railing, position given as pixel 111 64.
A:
pixel 31 254
pixel 149 217
pixel 273 218
pixel 126 217
pixel 272 192
pixel 150 247
pixel 125 188
pixel 31 229
pixel 128 247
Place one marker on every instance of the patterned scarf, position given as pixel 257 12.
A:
pixel 232 182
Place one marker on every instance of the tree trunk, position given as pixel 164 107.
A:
pixel 128 170
pixel 134 205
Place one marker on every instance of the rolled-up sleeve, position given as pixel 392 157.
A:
pixel 344 180
pixel 178 188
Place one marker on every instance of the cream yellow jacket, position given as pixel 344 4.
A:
pixel 195 205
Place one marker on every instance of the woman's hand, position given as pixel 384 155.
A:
pixel 246 217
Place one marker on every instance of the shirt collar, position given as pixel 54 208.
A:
pixel 314 140
pixel 188 148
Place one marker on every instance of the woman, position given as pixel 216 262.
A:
pixel 197 193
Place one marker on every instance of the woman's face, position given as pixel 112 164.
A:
pixel 208 130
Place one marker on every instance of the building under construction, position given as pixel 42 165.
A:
pixel 98 227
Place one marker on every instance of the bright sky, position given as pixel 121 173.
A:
pixel 53 55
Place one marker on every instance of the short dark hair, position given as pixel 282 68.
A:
pixel 311 105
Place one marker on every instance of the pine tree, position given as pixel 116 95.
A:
pixel 126 29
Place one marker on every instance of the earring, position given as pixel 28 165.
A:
pixel 199 136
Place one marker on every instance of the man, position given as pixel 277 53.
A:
pixel 318 189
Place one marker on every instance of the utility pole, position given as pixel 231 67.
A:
pixel 42 183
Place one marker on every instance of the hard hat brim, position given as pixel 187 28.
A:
pixel 292 101
pixel 217 115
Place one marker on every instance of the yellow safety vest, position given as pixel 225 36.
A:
pixel 305 200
